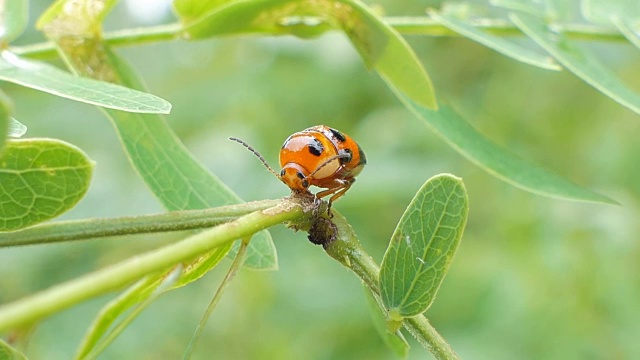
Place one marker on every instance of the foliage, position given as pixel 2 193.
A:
pixel 42 178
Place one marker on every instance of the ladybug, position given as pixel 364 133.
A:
pixel 320 156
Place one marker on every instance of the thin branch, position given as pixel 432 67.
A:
pixel 420 25
pixel 95 228
pixel 55 299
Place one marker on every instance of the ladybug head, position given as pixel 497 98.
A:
pixel 295 177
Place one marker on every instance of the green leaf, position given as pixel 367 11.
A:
pixel 5 118
pixel 629 29
pixel 605 12
pixel 44 77
pixel 497 160
pixel 261 254
pixel 623 14
pixel 16 129
pixel 582 64
pixel 86 16
pixel 139 296
pixel 380 46
pixel 422 246
pixel 191 10
pixel 387 51
pixel 177 179
pixel 39 180
pixel 395 341
pixel 14 16
pixel 497 43
pixel 8 352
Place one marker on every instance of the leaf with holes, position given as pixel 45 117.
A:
pixel 39 180
pixel 422 246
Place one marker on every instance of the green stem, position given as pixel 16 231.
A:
pixel 420 25
pixel 346 248
pixel 63 296
pixel 95 228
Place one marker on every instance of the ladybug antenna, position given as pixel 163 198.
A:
pixel 256 153
pixel 326 162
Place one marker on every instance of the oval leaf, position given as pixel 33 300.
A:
pixel 422 246
pixel 44 77
pixel 497 160
pixel 14 15
pixel 496 43
pixel 584 65
pixel 39 180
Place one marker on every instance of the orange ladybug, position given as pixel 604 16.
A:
pixel 319 156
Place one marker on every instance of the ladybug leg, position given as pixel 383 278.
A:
pixel 336 192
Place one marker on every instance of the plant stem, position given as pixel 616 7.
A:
pixel 63 296
pixel 419 25
pixel 95 228
pixel 346 248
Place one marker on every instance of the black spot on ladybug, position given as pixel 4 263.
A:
pixel 282 172
pixel 363 158
pixel 345 156
pixel 315 147
pixel 305 183
pixel 338 135
pixel 300 175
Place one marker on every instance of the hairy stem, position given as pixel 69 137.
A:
pixel 114 277
pixel 96 228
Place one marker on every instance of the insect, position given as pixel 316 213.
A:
pixel 320 156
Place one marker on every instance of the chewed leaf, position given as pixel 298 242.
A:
pixel 39 180
pixel 582 64
pixel 496 43
pixel 422 246
pixel 47 78
pixel 14 15
pixel 16 128
pixel 496 160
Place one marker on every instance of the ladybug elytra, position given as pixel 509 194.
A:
pixel 320 156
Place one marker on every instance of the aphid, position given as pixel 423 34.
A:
pixel 320 156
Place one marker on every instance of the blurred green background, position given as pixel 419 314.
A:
pixel 534 278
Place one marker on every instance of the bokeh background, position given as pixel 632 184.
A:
pixel 534 278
